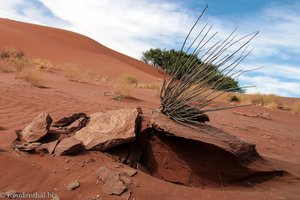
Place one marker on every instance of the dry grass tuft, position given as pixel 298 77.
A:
pixel 6 67
pixel 72 73
pixel 269 101
pixel 11 53
pixel 43 64
pixel 90 74
pixel 229 97
pixel 21 64
pixel 151 86
pixel 296 107
pixel 121 90
pixel 33 76
pixel 130 80
pixel 13 60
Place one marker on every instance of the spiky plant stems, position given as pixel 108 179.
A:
pixel 185 97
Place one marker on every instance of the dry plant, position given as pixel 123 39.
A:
pixel 9 53
pixel 6 67
pixel 72 73
pixel 131 80
pixel 185 96
pixel 296 107
pixel 269 101
pixel 90 74
pixel 151 86
pixel 229 97
pixel 121 90
pixel 13 60
pixel 43 64
pixel 33 76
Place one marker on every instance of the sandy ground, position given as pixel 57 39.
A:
pixel 277 139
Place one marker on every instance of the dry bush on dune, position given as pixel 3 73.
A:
pixel 296 107
pixel 72 73
pixel 13 60
pixel 269 101
pixel 6 67
pixel 43 64
pixel 121 90
pixel 22 64
pixel 131 80
pixel 9 53
pixel 90 74
pixel 33 76
pixel 185 96
pixel 151 86
pixel 229 97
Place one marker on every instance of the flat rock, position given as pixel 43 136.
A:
pixel 25 146
pixel 72 123
pixel 68 146
pixel 112 182
pixel 66 121
pixel 73 185
pixel 49 147
pixel 199 156
pixel 128 171
pixel 108 129
pixel 243 151
pixel 37 129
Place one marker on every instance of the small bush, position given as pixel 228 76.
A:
pixel 151 86
pixel 121 90
pixel 229 97
pixel 90 74
pixel 21 64
pixel 43 64
pixel 33 77
pixel 272 105
pixel 234 98
pixel 269 101
pixel 131 80
pixel 6 68
pixel 296 107
pixel 72 73
pixel 9 53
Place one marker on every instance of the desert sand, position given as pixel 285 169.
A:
pixel 277 139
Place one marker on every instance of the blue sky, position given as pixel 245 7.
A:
pixel 133 26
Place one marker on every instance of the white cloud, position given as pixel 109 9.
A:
pixel 269 85
pixel 130 27
pixel 29 11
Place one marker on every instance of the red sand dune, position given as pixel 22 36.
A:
pixel 62 46
pixel 277 139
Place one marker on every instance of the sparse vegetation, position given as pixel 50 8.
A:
pixel 131 80
pixel 43 64
pixel 6 68
pixel 11 53
pixel 90 74
pixel 268 101
pixel 33 76
pixel 193 84
pixel 121 90
pixel 72 73
pixel 151 86
pixel 22 64
pixel 296 107
pixel 264 100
